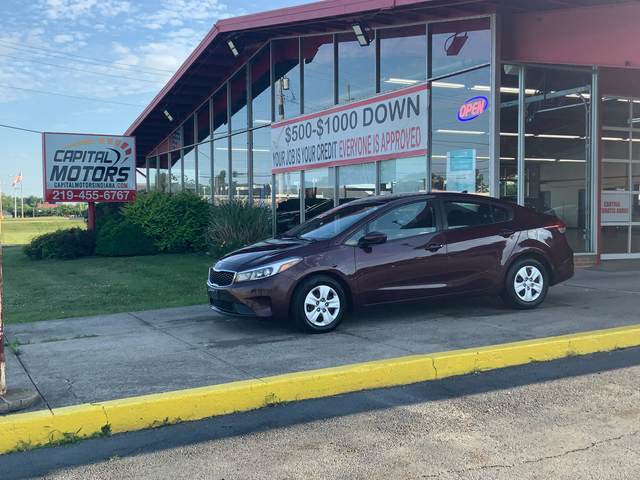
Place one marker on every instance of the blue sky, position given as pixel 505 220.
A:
pixel 115 54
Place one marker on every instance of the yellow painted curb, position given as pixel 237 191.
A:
pixel 30 430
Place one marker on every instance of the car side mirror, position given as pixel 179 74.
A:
pixel 372 238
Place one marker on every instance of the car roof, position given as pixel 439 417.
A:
pixel 397 196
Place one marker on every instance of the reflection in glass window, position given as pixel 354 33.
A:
pixel 221 169
pixel 286 59
pixel 403 56
pixel 318 191
pixel 163 176
pixel 203 123
pixel 239 174
pixel 238 86
pixel 356 181
pixel 356 68
pixel 403 175
pixel 615 176
pixel 318 72
pixel 262 166
pixel 189 175
pixel 220 127
pixel 460 141
pixel 152 169
pixel 615 144
pixel 287 201
pixel 406 221
pixel 176 172
pixel 204 170
pixel 459 45
pixel 261 89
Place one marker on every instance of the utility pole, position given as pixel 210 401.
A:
pixel 3 379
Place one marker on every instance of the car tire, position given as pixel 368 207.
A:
pixel 319 304
pixel 526 284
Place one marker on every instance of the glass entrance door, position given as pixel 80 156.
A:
pixel 620 195
pixel 545 155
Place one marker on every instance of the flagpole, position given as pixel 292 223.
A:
pixel 15 202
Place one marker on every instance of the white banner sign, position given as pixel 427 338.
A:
pixel 616 207
pixel 89 168
pixel 392 125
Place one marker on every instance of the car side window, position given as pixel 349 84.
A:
pixel 406 221
pixel 500 213
pixel 467 214
pixel 353 239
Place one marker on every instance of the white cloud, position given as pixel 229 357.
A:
pixel 81 9
pixel 63 38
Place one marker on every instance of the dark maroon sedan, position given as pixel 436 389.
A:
pixel 391 249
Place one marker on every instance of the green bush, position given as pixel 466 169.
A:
pixel 120 238
pixel 235 224
pixel 62 244
pixel 177 223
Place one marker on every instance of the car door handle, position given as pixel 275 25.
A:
pixel 506 233
pixel 433 247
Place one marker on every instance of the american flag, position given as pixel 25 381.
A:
pixel 17 179
pixel 175 140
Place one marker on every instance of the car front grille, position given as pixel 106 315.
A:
pixel 221 278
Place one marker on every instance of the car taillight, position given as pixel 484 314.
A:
pixel 557 224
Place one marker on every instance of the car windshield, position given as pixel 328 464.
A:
pixel 329 224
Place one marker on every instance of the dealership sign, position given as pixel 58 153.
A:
pixel 89 168
pixel 392 125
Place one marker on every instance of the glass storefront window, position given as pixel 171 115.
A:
pixel 238 86
pixel 635 141
pixel 204 170
pixel 318 191
pixel 152 173
pixel 403 175
pixel 459 45
pixel 403 56
pixel 635 239
pixel 220 127
pixel 356 181
pixel 163 175
pixel 239 163
pixel 460 144
pixel 187 132
pixel 614 239
pixel 286 60
pixel 176 172
pixel 287 201
pixel 615 112
pixel 261 89
pixel 615 144
pixel 262 166
pixel 356 68
pixel 509 133
pixel 221 169
pixel 203 123
pixel 615 176
pixel 189 169
pixel 318 72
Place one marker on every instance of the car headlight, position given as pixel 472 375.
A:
pixel 267 270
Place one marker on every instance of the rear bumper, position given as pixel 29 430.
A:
pixel 565 272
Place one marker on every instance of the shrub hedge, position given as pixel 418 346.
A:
pixel 62 244
pixel 118 237
pixel 176 223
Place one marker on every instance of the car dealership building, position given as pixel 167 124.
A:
pixel 536 101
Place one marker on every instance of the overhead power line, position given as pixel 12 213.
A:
pixel 18 128
pixel 55 54
pixel 72 96
pixel 85 71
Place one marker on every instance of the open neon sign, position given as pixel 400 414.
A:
pixel 472 108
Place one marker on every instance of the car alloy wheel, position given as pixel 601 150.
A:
pixel 319 304
pixel 526 284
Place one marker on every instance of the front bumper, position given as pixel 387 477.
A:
pixel 267 297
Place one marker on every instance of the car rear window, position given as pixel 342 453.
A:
pixel 471 214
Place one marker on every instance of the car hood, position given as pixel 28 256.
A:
pixel 261 253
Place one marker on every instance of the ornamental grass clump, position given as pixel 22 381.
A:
pixel 236 223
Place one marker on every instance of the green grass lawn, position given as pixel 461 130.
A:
pixel 18 231
pixel 50 289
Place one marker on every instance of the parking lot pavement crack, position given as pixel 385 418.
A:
pixel 433 364
pixel 202 350
pixel 70 388
pixel 600 288
pixel 32 382
pixel 536 460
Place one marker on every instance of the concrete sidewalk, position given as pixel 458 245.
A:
pixel 109 357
